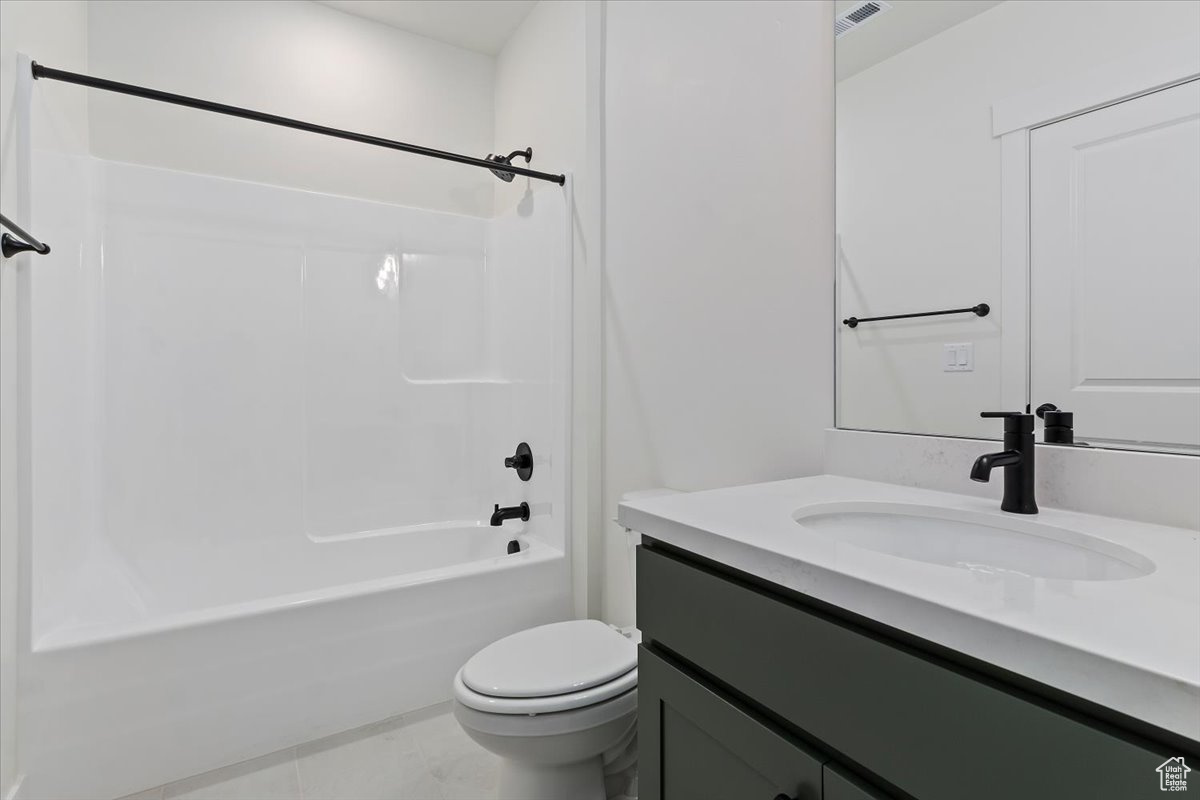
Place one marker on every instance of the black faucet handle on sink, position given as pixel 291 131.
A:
pixel 1014 421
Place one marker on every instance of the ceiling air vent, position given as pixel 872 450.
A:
pixel 858 15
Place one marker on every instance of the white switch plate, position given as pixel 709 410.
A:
pixel 958 357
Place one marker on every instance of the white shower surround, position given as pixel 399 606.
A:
pixel 267 429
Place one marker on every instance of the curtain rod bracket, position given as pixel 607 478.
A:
pixel 11 246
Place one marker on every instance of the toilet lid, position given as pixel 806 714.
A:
pixel 549 660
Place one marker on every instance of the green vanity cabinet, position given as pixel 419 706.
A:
pixel 735 676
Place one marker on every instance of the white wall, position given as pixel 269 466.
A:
pixel 302 60
pixel 718 352
pixel 548 97
pixel 919 198
pixel 52 31
pixel 540 94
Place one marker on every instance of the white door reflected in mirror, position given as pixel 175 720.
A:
pixel 1115 260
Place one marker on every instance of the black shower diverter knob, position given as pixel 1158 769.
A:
pixel 521 461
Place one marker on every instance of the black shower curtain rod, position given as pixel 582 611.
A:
pixel 499 166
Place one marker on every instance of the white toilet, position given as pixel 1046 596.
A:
pixel 558 703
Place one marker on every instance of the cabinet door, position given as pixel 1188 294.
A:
pixel 695 744
pixel 841 785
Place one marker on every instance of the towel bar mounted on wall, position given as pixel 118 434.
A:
pixel 982 310
pixel 10 245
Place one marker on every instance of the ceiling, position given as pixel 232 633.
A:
pixel 480 25
pixel 906 24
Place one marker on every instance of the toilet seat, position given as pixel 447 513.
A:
pixel 543 705
pixel 555 667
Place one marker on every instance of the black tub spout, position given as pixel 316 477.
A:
pixel 511 512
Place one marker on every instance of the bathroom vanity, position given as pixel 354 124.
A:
pixel 834 638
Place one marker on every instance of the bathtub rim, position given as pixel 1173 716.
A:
pixel 61 640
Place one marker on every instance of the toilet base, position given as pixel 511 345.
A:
pixel 563 755
pixel 583 780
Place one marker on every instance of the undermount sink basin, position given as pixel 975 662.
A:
pixel 980 543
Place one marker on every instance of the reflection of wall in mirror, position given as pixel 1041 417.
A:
pixel 918 206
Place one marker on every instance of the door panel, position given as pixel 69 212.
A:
pixel 1115 269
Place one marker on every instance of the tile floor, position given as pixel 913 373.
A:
pixel 423 755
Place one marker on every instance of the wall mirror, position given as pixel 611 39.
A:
pixel 1033 169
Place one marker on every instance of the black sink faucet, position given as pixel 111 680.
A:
pixel 1017 461
pixel 512 512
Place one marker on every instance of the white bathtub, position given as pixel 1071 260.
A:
pixel 254 414
pixel 196 672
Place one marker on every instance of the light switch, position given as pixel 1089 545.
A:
pixel 958 357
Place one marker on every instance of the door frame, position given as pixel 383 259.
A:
pixel 1169 64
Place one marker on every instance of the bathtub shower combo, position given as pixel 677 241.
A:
pixel 268 433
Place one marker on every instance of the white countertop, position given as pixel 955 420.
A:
pixel 1130 645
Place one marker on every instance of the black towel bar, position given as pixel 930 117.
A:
pixel 981 310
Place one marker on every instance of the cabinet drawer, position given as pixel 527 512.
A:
pixel 838 784
pixel 919 724
pixel 696 745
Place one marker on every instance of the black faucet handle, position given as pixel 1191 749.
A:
pixel 521 461
pixel 1060 425
pixel 1014 421
pixel 1055 416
